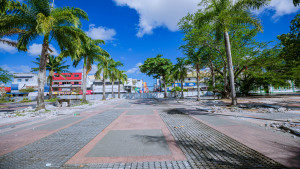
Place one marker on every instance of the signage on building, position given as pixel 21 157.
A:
pixel 184 84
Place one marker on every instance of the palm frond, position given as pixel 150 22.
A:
pixel 249 4
pixel 9 42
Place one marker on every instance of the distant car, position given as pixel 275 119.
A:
pixel 88 92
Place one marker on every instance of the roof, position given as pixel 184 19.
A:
pixel 92 77
pixel 24 75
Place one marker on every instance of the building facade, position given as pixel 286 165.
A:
pixel 97 86
pixel 24 81
pixel 67 83
pixel 189 83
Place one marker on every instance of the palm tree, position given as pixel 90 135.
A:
pixel 89 52
pixel 224 13
pixel 5 5
pixel 38 18
pixel 53 66
pixel 122 78
pixel 113 73
pixel 194 57
pixel 103 67
pixel 180 71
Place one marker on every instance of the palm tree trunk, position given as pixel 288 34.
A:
pixel 119 89
pixel 84 81
pixel 165 87
pixel 230 68
pixel 103 97
pixel 213 80
pixel 50 91
pixel 181 81
pixel 198 87
pixel 112 89
pixel 42 76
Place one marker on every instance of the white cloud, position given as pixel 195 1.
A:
pixel 280 7
pixel 100 32
pixel 92 72
pixel 16 69
pixel 135 70
pixel 7 48
pixel 157 13
pixel 167 13
pixel 36 49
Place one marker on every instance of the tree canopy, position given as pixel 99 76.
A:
pixel 5 76
pixel 157 67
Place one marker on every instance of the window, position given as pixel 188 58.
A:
pixel 189 78
pixel 56 83
pixel 66 83
pixel 56 75
pixel 76 83
pixel 68 75
pixel 76 75
pixel 19 80
pixel 26 80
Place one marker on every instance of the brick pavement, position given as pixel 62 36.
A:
pixel 60 146
pixel 203 146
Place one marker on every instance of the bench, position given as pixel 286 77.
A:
pixel 70 102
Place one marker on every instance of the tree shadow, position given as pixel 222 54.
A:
pixel 204 155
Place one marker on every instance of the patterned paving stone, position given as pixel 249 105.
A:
pixel 206 147
pixel 60 146
pixel 140 112
pixel 58 124
pixel 140 165
pixel 119 143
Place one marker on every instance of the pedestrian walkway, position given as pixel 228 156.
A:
pixel 138 134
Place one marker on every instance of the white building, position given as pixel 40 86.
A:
pixel 190 82
pixel 97 86
pixel 23 81
pixel 133 85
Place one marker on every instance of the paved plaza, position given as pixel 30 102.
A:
pixel 143 134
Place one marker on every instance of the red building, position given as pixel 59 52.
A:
pixel 67 83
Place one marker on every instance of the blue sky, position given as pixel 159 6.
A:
pixel 137 29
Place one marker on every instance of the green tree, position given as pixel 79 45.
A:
pixel 157 67
pixel 224 13
pixel 180 71
pixel 122 78
pixel 103 68
pixel 201 48
pixel 5 5
pixel 38 18
pixel 113 73
pixel 291 50
pixel 5 76
pixel 55 65
pixel 89 51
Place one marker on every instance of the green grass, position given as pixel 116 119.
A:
pixel 51 100
pixel 26 101
pixel 19 114
pixel 82 103
pixel 3 101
